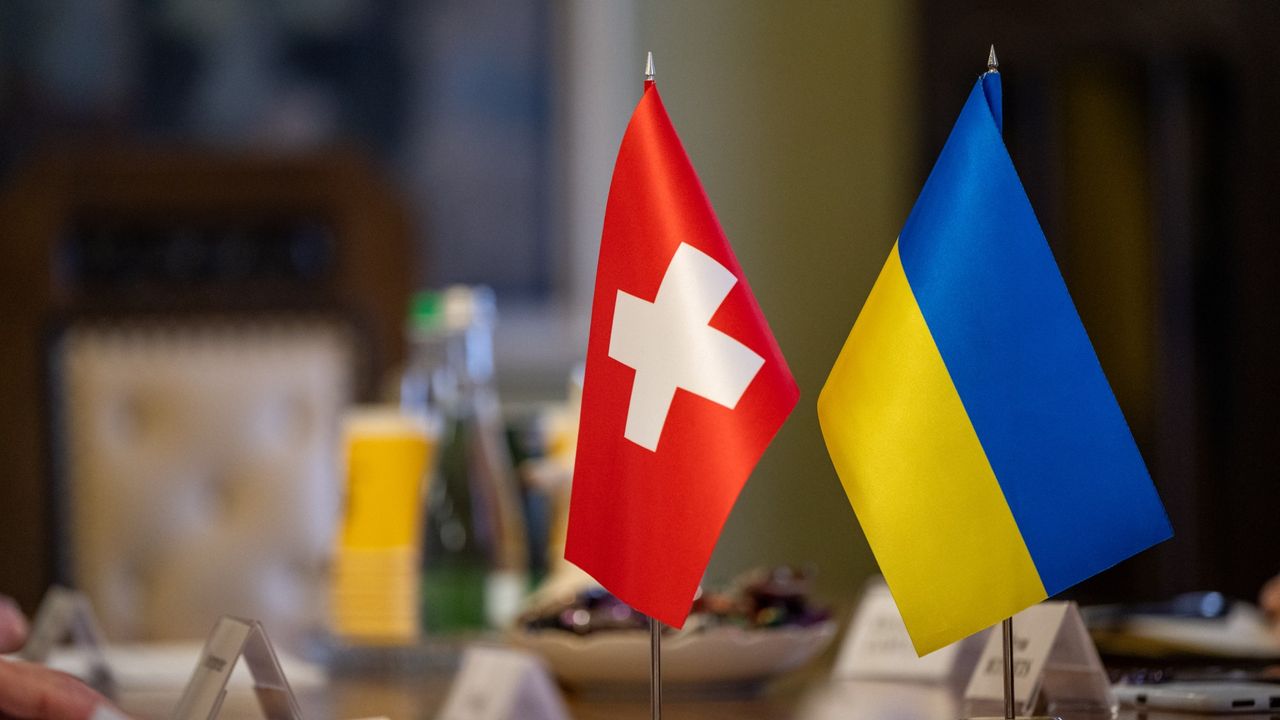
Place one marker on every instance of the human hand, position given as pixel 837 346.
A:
pixel 35 692
pixel 13 626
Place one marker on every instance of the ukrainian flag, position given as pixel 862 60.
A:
pixel 967 415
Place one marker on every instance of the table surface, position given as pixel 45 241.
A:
pixel 420 698
pixel 806 695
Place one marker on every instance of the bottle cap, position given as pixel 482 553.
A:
pixel 452 309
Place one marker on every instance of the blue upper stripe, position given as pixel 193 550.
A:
pixel 994 300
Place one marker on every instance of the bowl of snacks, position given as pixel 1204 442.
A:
pixel 763 625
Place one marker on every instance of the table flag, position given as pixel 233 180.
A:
pixel 684 386
pixel 967 415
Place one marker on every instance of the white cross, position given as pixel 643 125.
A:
pixel 670 345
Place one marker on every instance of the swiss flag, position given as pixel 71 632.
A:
pixel 684 388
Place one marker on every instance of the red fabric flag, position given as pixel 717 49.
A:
pixel 684 385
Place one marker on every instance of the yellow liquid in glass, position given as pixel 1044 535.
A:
pixel 388 455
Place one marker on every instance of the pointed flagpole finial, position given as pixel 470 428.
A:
pixel 993 65
pixel 648 68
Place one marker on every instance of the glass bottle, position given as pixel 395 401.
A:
pixel 475 559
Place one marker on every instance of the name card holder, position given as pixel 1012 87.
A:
pixel 1056 667
pixel 502 684
pixel 231 639
pixel 66 614
pixel 877 647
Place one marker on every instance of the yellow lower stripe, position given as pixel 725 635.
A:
pixel 917 477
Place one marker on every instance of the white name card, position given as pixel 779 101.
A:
pixel 231 639
pixel 1056 667
pixel 877 646
pixel 502 684
pixel 66 614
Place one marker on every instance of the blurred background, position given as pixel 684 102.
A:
pixel 295 164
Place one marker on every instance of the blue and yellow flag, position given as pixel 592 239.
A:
pixel 967 415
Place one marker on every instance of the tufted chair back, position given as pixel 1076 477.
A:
pixel 195 469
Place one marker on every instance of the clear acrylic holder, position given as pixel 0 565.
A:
pixel 67 614
pixel 231 639
pixel 1056 667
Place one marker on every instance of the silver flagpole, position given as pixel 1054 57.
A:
pixel 655 668
pixel 655 626
pixel 1006 628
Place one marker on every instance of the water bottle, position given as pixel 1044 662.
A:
pixel 475 559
